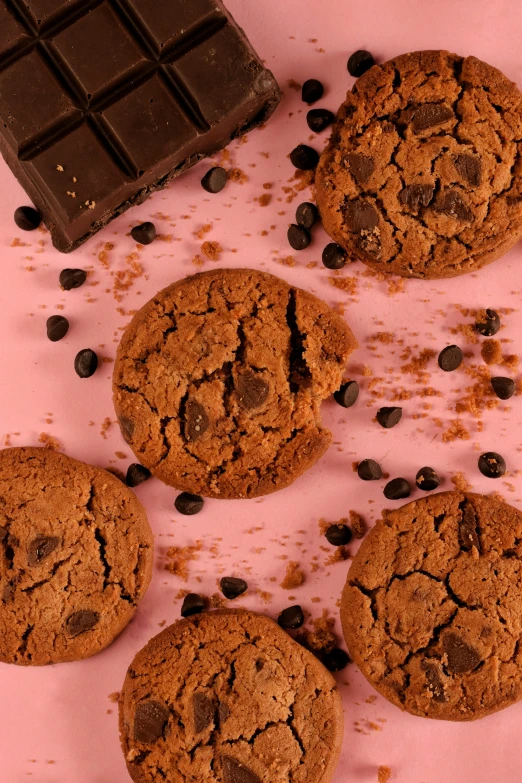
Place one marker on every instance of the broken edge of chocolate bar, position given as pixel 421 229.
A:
pixel 102 102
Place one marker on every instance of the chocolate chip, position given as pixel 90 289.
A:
pixel 223 712
pixel 298 237
pixel 312 91
pixel 136 474
pixel 306 215
pixel 450 358
pixel 468 533
pixel 27 218
pixel 335 660
pixel 361 166
pixel 347 395
pixel 416 196
pixel 292 617
pixel 215 180
pixel 57 327
pixel 251 390
pixel 491 464
pixel 359 62
pixel 304 157
pixel 150 720
pixel 8 593
pixel 3 533
pixel 127 428
pixel 338 535
pixel 86 363
pixel 196 420
pixel 389 417
pixel 188 504
pixel 369 470
pixel 429 115
pixel 503 387
pixel 490 325
pixel 461 656
pixel 396 489
pixel 145 233
pixel 81 621
pixel 232 587
pixel 334 256
pixel 452 204
pixel 72 278
pixel 426 479
pixel 435 684
pixel 235 772
pixel 204 711
pixel 319 119
pixel 40 548
pixel 360 215
pixel 192 604
pixel 469 167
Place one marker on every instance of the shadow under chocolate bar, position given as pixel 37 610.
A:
pixel 103 102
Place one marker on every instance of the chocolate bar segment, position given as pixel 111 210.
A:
pixel 104 101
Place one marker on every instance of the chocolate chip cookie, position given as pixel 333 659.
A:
pixel 422 176
pixel 228 696
pixel 432 608
pixel 76 553
pixel 219 380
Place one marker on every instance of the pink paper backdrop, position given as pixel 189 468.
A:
pixel 62 714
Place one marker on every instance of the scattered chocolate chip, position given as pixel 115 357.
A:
pixel 312 91
pixel 27 218
pixel 369 470
pixel 490 325
pixel 503 387
pixel 232 587
pixel 144 233
pixel 304 157
pixel 452 204
pixel 81 621
pixel 40 548
pixel 416 196
pixel 335 660
pixel 491 464
pixel 127 428
pixel 450 358
pixel 347 395
pixel 57 327
pixel 429 115
pixel 86 363
pixel 359 62
pixel 292 617
pixel 360 215
pixel 435 684
pixel 204 711
pixel 389 417
pixel 72 278
pixel 251 390
pixel 461 656
pixel 298 237
pixel 319 119
pixel 215 180
pixel 136 474
pixel 235 772
pixel 426 479
pixel 396 489
pixel 188 504
pixel 150 720
pixel 306 215
pixel 361 166
pixel 196 420
pixel 192 604
pixel 469 167
pixel 338 535
pixel 334 256
pixel 468 532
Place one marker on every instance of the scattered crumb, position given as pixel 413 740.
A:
pixel 491 351
pixel 204 230
pixel 180 556
pixel 212 250
pixel 237 175
pixel 114 697
pixel 454 431
pixel 383 774
pixel 339 555
pixel 294 85
pixel 357 524
pixel 346 284
pixel 264 596
pixel 286 261
pixel 461 483
pixel 264 200
pixel 294 577
pixel 49 441
pixel 106 425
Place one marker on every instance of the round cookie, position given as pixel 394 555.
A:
pixel 228 696
pixel 219 380
pixel 422 176
pixel 77 555
pixel 432 608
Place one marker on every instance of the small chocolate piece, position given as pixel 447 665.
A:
pixel 235 772
pixel 504 388
pixel 347 395
pixel 192 604
pixel 490 325
pixel 468 533
pixel 204 711
pixel 369 470
pixel 196 420
pixel 389 417
pixel 81 621
pixel 27 218
pixel 127 428
pixel 469 167
pixel 450 358
pixel 435 684
pixel 145 233
pixel 359 62
pixel 215 180
pixel 361 166
pixel 312 91
pixel 306 215
pixel 136 474
pixel 298 237
pixel 335 660
pixel 491 464
pixel 338 535
pixel 319 119
pixel 57 327
pixel 452 204
pixel 396 489
pixel 291 618
pixel 232 587
pixel 416 196
pixel 188 504
pixel 150 719
pixel 86 363
pixel 334 256
pixel 40 548
pixel 304 157
pixel 360 215
pixel 72 278
pixel 461 656
pixel 223 712
pixel 429 115
pixel 251 390
pixel 426 479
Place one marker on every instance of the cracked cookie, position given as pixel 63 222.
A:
pixel 422 176
pixel 432 608
pixel 76 550
pixel 227 696
pixel 219 380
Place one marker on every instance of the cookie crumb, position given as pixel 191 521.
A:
pixel 455 431
pixel 357 524
pixel 179 557
pixel 491 351
pixel 49 441
pixel 294 577
pixel 114 697
pixel 461 483
pixel 383 774
pixel 212 250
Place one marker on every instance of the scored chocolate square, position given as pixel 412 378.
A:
pixel 104 101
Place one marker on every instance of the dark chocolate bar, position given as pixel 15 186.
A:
pixel 104 101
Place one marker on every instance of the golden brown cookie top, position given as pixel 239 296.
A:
pixel 77 557
pixel 423 175
pixel 228 696
pixel 219 379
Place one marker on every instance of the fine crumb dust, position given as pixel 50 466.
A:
pixel 294 577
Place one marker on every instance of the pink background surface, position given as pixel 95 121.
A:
pixel 60 713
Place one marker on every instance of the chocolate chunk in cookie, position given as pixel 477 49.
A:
pixel 251 390
pixel 40 548
pixel 461 657
pixel 361 166
pixel 80 622
pixel 150 720
pixel 204 711
pixel 196 420
pixel 453 205
pixel 360 215
pixel 469 168
pixel 416 196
